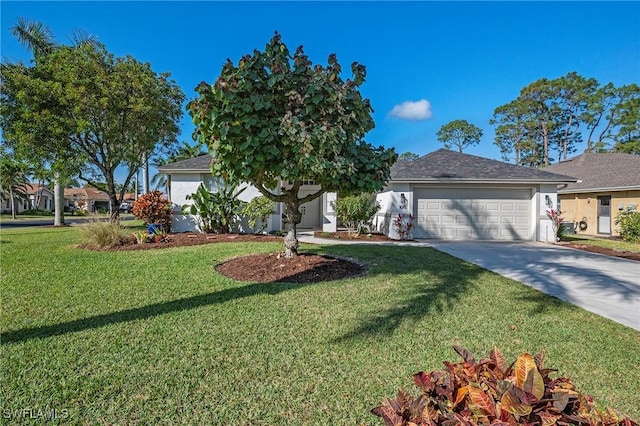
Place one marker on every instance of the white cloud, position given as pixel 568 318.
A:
pixel 409 110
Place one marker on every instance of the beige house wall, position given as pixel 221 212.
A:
pixel 584 206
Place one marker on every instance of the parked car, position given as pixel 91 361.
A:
pixel 125 207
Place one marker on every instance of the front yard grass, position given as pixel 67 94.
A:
pixel 616 244
pixel 159 337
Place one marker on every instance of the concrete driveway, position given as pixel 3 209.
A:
pixel 607 286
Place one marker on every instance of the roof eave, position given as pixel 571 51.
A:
pixel 605 189
pixel 492 181
pixel 192 170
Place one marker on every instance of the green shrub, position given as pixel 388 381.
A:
pixel 37 212
pixel 492 391
pixel 105 234
pixel 258 211
pixel 215 210
pixel 629 223
pixel 153 207
pixel 356 211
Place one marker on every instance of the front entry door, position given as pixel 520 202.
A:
pixel 604 214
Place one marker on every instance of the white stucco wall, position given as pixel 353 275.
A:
pixel 545 231
pixel 185 184
pixel 329 218
pixel 391 205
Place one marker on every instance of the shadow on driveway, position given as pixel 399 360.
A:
pixel 607 286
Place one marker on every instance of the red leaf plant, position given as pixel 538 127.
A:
pixel 492 392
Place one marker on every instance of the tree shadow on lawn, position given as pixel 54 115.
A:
pixel 446 280
pixel 148 311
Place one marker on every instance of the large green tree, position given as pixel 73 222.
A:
pixel 51 155
pixel 104 112
pixel 459 134
pixel 612 119
pixel 274 120
pixel 549 117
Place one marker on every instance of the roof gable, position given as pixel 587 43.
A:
pixel 201 164
pixel 86 193
pixel 445 165
pixel 600 171
pixel 34 188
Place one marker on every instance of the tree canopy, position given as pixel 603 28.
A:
pixel 84 104
pixel 276 120
pixel 408 156
pixel 459 134
pixel 548 119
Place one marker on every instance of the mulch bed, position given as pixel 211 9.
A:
pixel 188 239
pixel 609 252
pixel 304 268
pixel 344 235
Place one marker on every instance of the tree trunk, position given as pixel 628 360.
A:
pixel 13 203
pixel 114 205
pixel 58 200
pixel 145 174
pixel 291 210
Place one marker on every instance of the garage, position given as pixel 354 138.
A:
pixel 457 196
pixel 473 213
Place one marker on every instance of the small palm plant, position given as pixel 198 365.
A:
pixel 215 210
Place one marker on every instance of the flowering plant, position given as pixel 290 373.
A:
pixel 404 225
pixel 556 221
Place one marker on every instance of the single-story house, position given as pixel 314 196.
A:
pixel 450 195
pixel 39 197
pixel 89 199
pixel 608 183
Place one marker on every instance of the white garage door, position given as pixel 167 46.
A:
pixel 472 214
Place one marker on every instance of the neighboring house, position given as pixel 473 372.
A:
pixel 608 183
pixel 89 199
pixel 456 196
pixel 39 197
pixel 451 196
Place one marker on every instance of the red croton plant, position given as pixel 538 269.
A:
pixel 493 392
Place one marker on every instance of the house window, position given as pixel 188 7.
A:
pixel 212 183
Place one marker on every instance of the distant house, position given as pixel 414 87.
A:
pixel 88 199
pixel 449 194
pixel 39 197
pixel 608 183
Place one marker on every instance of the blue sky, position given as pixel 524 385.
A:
pixel 446 61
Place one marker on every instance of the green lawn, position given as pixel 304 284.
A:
pixel 616 244
pixel 159 337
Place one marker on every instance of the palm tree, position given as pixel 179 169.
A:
pixel 13 181
pixel 35 36
pixel 185 152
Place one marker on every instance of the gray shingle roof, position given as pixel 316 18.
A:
pixel 200 164
pixel 449 166
pixel 600 171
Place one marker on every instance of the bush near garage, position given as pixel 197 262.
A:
pixel 629 223
pixel 356 211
